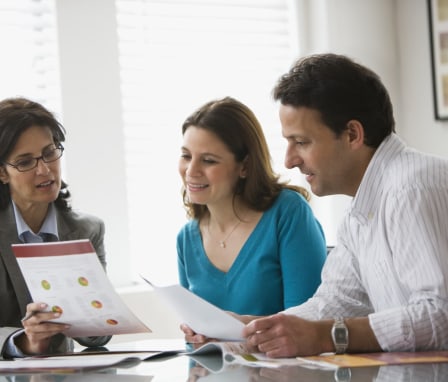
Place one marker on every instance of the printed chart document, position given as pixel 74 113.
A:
pixel 200 315
pixel 69 277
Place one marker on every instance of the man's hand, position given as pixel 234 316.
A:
pixel 282 335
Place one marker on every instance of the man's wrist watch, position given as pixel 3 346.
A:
pixel 339 334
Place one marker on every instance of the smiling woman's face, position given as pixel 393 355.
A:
pixel 40 185
pixel 208 168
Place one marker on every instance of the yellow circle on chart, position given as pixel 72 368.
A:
pixel 45 284
pixel 56 309
pixel 83 281
pixel 96 304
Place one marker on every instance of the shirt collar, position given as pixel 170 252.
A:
pixel 364 204
pixel 49 226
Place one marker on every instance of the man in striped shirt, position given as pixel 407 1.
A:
pixel 385 285
pixel 386 281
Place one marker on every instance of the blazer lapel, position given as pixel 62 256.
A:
pixel 66 231
pixel 8 236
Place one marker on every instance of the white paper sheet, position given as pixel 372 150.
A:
pixel 68 276
pixel 200 315
pixel 73 362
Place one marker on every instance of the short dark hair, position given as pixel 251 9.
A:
pixel 16 116
pixel 340 90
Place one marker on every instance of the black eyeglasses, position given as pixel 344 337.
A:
pixel 48 156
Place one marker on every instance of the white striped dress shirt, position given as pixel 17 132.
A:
pixel 391 261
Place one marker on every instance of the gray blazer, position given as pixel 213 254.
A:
pixel 14 294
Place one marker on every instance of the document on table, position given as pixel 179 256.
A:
pixel 217 356
pixel 72 363
pixel 199 314
pixel 69 277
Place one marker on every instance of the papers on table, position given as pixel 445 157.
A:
pixel 217 356
pixel 124 356
pixel 200 315
pixel 72 363
pixel 68 276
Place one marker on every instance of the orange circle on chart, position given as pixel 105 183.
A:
pixel 45 284
pixel 97 304
pixel 56 309
pixel 111 321
pixel 83 281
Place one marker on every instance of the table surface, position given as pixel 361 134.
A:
pixel 184 368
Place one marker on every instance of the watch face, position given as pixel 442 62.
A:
pixel 340 335
pixel 343 374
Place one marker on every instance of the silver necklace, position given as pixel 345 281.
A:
pixel 222 243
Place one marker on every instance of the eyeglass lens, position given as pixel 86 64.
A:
pixel 47 156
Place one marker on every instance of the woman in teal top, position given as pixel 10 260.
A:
pixel 253 245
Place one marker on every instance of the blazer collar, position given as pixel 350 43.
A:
pixel 8 236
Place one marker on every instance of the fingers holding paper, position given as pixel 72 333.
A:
pixel 194 338
pixel 38 329
pixel 191 336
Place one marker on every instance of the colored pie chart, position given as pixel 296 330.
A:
pixel 96 304
pixel 56 309
pixel 83 281
pixel 45 284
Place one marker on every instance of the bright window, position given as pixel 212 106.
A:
pixel 29 58
pixel 174 56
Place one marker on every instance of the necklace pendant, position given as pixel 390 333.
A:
pixel 222 244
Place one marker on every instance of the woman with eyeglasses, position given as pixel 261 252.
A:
pixel 34 207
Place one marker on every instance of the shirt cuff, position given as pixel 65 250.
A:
pixel 11 350
pixel 393 330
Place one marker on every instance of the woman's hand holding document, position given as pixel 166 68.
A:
pixel 200 315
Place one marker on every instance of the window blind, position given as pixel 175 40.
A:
pixel 174 56
pixel 29 64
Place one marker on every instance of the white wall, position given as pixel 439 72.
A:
pixel 91 108
pixel 417 124
pixel 364 30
